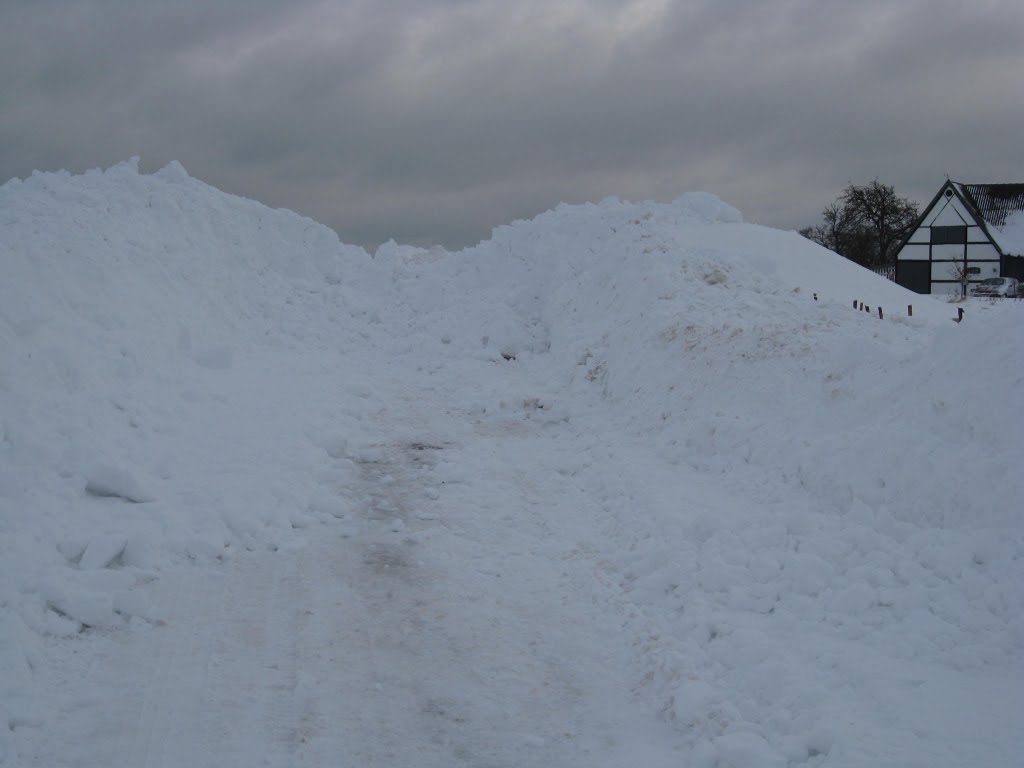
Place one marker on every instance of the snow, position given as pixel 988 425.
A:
pixel 1010 236
pixel 628 483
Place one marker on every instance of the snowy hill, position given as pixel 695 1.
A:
pixel 786 531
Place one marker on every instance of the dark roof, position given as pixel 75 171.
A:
pixel 995 201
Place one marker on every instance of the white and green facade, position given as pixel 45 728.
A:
pixel 958 240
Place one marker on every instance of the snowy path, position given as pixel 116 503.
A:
pixel 511 588
pixel 448 624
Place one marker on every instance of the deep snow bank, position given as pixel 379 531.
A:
pixel 123 297
pixel 736 345
pixel 132 308
pixel 882 456
pixel 158 340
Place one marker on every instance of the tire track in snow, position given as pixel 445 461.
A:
pixel 451 626
pixel 476 647
pixel 249 708
pixel 212 686
pixel 147 741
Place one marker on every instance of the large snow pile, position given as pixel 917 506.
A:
pixel 186 374
pixel 886 456
pixel 127 304
pixel 738 344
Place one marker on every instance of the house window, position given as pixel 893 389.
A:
pixel 947 235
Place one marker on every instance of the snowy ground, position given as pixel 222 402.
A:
pixel 266 500
pixel 443 622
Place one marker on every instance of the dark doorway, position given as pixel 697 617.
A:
pixel 915 276
pixel 1013 266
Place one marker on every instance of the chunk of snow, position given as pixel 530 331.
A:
pixel 106 480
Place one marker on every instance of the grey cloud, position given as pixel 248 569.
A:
pixel 434 121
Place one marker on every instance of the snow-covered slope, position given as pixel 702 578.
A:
pixel 126 300
pixel 727 342
pixel 796 511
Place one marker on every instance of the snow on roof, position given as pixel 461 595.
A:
pixel 1010 236
pixel 1001 206
pixel 996 201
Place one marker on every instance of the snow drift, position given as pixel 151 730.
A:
pixel 158 339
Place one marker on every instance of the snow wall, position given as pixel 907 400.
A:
pixel 129 302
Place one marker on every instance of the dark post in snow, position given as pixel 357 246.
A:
pixel 880 313
pixel 910 310
pixel 854 303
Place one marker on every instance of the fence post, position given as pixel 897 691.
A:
pixel 880 313
pixel 910 310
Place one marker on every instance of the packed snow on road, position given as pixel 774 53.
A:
pixel 628 484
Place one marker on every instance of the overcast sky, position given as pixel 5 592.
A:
pixel 432 121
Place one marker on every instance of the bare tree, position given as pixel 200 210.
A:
pixel 865 224
pixel 962 274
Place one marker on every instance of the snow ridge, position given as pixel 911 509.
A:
pixel 798 513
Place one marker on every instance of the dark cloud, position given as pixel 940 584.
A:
pixel 435 120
